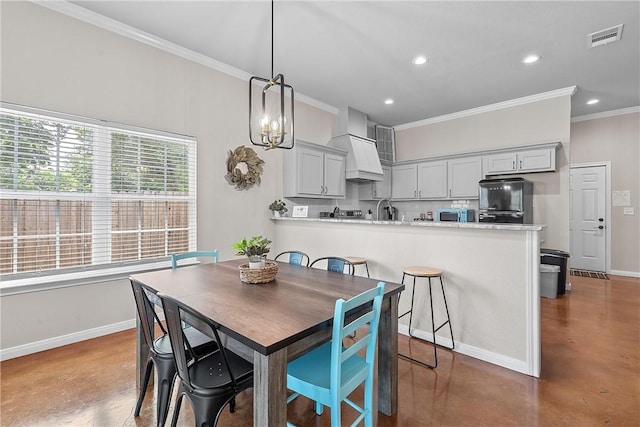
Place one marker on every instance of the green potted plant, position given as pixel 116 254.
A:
pixel 278 207
pixel 256 249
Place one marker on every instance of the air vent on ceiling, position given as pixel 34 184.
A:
pixel 603 37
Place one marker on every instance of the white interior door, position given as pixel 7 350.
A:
pixel 588 225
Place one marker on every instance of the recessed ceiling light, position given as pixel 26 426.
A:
pixel 419 60
pixel 531 59
pixel 388 101
pixel 592 101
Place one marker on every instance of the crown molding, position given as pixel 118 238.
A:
pixel 567 91
pixel 132 33
pixel 604 114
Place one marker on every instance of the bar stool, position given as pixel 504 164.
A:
pixel 428 273
pixel 358 261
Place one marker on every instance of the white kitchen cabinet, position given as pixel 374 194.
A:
pixel 541 159
pixel 376 190
pixel 463 177
pixel 424 180
pixel 432 180
pixel 404 181
pixel 314 171
pixel 438 179
pixel 419 181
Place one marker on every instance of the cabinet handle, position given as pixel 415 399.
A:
pixel 415 193
pixel 420 194
pixel 449 192
pixel 322 189
pixel 326 190
pixel 514 165
pixel 520 164
pixel 374 192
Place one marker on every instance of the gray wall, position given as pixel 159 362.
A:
pixel 617 140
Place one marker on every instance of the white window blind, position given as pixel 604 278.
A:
pixel 81 194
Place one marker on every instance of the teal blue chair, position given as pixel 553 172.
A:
pixel 195 254
pixel 331 372
pixel 295 257
pixel 336 264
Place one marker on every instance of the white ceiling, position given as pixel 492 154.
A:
pixel 359 53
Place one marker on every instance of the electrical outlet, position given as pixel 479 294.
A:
pixel 629 211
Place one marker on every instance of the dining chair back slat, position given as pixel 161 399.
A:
pixel 295 258
pixel 336 264
pixel 194 254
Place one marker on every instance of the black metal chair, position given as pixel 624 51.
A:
pixel 209 381
pixel 160 354
pixel 295 257
pixel 336 264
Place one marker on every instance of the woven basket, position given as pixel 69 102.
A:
pixel 259 275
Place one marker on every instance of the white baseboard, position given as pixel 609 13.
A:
pixel 471 351
pixel 625 273
pixel 49 343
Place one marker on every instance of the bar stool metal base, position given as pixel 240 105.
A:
pixel 428 273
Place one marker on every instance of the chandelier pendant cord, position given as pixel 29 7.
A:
pixel 272 40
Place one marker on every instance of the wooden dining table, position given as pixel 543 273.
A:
pixel 273 323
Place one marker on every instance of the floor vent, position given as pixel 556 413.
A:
pixel 586 273
pixel 603 37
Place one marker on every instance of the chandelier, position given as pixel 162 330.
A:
pixel 274 126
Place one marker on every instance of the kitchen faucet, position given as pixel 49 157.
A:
pixel 378 208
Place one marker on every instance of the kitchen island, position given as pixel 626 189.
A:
pixel 491 274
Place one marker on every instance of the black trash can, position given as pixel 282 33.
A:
pixel 559 258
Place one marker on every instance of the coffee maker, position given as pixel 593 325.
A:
pixel 390 213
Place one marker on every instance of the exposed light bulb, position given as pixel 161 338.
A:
pixel 264 122
pixel 419 60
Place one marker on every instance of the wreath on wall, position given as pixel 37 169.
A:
pixel 244 168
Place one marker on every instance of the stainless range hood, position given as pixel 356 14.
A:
pixel 363 163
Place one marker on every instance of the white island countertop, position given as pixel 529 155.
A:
pixel 446 224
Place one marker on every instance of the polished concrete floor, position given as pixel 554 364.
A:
pixel 590 377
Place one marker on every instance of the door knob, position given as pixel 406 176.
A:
pixel 600 227
pixel 600 219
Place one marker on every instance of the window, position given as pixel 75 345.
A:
pixel 79 194
pixel 385 142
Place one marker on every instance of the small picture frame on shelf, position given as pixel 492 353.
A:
pixel 300 212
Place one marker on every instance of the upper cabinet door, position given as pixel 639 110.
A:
pixel 535 160
pixel 376 190
pixel 404 179
pixel 310 172
pixel 382 189
pixel 432 180
pixel 334 175
pixel 464 175
pixel 500 163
